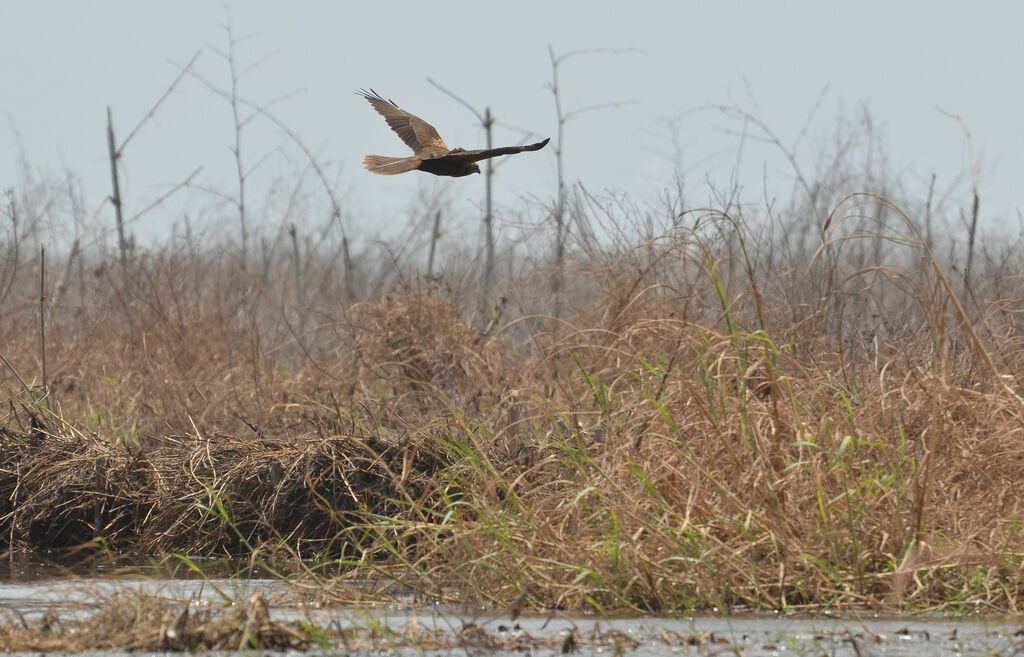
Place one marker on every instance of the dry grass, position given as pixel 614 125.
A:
pixel 712 423
pixel 137 622
pixel 146 623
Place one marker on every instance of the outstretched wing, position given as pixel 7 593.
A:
pixel 417 134
pixel 476 156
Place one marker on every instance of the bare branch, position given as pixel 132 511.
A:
pixel 213 191
pixel 772 138
pixel 452 95
pixel 972 227
pixel 185 69
pixel 163 197
pixel 595 51
pixel 600 106
pixel 487 121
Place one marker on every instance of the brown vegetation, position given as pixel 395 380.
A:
pixel 660 409
pixel 712 425
pixel 145 623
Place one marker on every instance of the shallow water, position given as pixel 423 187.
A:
pixel 760 635
pixel 37 591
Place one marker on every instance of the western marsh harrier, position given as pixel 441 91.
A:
pixel 431 154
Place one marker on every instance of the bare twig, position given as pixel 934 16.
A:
pixel 563 117
pixel 487 121
pixel 972 226
pixel 74 256
pixel 115 151
pixel 928 214
pixel 24 386
pixel 115 183
pixel 42 312
pixel 236 149
pixel 772 138
pixel 10 266
pixel 152 111
pixel 163 197
pixel 435 234
pixel 299 292
pixel 314 161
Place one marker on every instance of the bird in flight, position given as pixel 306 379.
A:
pixel 431 154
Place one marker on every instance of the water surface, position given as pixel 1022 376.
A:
pixel 30 590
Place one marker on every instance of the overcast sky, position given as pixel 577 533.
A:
pixel 660 65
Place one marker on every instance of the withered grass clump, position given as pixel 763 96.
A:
pixel 710 423
pixel 217 494
pixel 147 623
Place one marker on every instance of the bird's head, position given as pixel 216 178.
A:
pixel 464 170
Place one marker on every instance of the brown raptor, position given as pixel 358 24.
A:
pixel 431 154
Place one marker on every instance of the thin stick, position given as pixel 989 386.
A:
pixel 435 234
pixel 6 362
pixel 98 504
pixel 115 151
pixel 972 227
pixel 236 148
pixel 263 110
pixel 156 106
pixel 487 121
pixel 559 213
pixel 115 198
pixel 299 292
pixel 488 213
pixel 42 310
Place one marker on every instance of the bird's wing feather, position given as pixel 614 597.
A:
pixel 417 134
pixel 476 156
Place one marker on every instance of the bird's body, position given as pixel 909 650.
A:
pixel 431 154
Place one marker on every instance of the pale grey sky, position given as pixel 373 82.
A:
pixel 65 62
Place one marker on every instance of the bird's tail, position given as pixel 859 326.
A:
pixel 389 166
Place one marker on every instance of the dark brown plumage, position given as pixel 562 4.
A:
pixel 431 154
